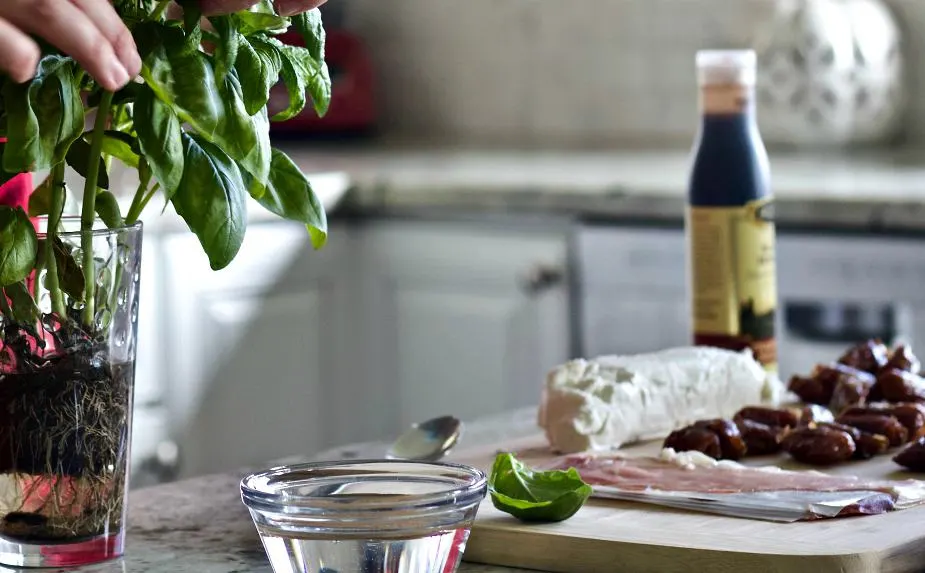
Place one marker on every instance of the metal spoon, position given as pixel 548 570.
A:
pixel 427 441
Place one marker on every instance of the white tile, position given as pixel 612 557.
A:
pixel 588 74
pixel 576 71
pixel 451 67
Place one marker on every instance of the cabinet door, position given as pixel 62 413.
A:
pixel 633 290
pixel 466 320
pixel 252 348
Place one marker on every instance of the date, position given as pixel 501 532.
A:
pixel 899 386
pixel 820 386
pixel 870 356
pixel 815 413
pixel 810 390
pixel 731 443
pixel 697 439
pixel 772 417
pixel 867 445
pixel 760 439
pixel 911 415
pixel 850 391
pixel 902 358
pixel 819 446
pixel 912 457
pixel 882 424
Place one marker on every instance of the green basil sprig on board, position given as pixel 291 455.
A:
pixel 535 495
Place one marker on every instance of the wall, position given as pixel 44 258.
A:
pixel 563 72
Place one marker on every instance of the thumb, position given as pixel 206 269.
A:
pixel 293 7
pixel 213 7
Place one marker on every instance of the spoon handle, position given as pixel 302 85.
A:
pixel 365 451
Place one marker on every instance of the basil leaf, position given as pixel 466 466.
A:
pixel 245 138
pixel 5 176
pixel 290 195
pixel 533 495
pixel 18 245
pixel 263 7
pixel 70 275
pixel 24 309
pixel 78 157
pixel 125 95
pixel 107 207
pixel 313 76
pixel 295 85
pixel 159 130
pixel 44 115
pixel 226 51
pixel 192 19
pixel 250 23
pixel 122 146
pixel 134 10
pixel 181 78
pixel 40 199
pixel 212 200
pixel 260 64
pixel 309 26
pixel 301 72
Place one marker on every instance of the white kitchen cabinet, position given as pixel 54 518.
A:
pixel 632 290
pixel 463 318
pixel 255 353
pixel 289 350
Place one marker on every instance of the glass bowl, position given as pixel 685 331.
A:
pixel 367 516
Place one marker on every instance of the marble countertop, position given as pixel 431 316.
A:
pixel 201 526
pixel 867 190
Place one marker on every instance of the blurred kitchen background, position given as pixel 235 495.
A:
pixel 505 183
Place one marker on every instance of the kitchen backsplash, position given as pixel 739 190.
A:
pixel 567 72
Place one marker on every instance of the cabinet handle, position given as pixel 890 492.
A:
pixel 541 278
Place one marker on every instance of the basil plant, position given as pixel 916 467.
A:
pixel 195 126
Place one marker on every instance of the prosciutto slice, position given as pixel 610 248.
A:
pixel 693 481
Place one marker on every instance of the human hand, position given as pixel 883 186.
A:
pixel 89 30
pixel 92 33
pixel 283 7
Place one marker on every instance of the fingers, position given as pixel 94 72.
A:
pixel 79 34
pixel 293 7
pixel 213 7
pixel 112 28
pixel 19 55
pixel 283 7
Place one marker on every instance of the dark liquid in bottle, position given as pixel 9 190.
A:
pixel 730 232
pixel 730 168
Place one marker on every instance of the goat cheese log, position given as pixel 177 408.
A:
pixel 610 401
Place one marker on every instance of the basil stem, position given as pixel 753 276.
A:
pixel 134 210
pixel 54 219
pixel 159 10
pixel 88 211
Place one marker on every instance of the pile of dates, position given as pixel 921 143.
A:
pixel 869 402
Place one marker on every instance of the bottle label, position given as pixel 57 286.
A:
pixel 734 278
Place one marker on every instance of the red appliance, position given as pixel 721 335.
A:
pixel 353 106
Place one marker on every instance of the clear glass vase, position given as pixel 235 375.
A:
pixel 67 368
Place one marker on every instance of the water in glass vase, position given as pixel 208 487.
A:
pixel 439 552
pixel 64 452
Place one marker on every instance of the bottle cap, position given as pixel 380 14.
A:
pixel 725 67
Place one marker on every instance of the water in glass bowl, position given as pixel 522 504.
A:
pixel 437 552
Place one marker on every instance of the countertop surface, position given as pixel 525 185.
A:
pixel 201 526
pixel 860 189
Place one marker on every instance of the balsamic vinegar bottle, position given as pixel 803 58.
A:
pixel 729 219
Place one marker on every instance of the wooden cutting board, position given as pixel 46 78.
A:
pixel 610 536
